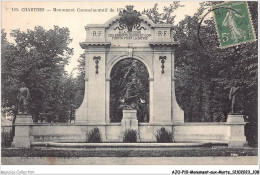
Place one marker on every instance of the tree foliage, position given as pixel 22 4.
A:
pixel 166 17
pixel 38 58
pixel 205 73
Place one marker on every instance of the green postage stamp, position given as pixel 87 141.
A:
pixel 233 23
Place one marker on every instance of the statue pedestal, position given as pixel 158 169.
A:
pixel 235 118
pixel 236 132
pixel 129 121
pixel 22 138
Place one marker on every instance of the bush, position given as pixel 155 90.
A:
pixel 164 136
pixel 94 136
pixel 130 136
pixel 6 138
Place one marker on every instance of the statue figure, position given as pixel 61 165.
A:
pixel 23 99
pixel 130 95
pixel 232 96
pixel 230 21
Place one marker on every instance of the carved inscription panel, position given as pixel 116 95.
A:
pixel 141 34
pixel 118 34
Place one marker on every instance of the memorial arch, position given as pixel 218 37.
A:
pixel 121 38
pixel 129 36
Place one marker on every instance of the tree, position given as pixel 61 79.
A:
pixel 166 17
pixel 205 73
pixel 37 58
pixel 9 83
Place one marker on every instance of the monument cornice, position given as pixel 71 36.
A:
pixel 85 45
pixel 117 18
pixel 154 44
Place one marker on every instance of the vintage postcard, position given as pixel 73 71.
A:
pixel 129 83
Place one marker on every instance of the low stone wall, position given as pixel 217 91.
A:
pixel 68 132
pixel 198 132
pixel 187 132
pixel 231 132
pixel 58 133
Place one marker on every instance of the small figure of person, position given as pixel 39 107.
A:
pixel 233 95
pixel 23 99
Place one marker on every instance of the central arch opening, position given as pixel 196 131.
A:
pixel 129 88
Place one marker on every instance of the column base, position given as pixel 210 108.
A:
pixel 237 144
pixel 21 142
pixel 23 118
pixel 129 122
pixel 22 138
pixel 81 115
pixel 236 133
pixel 178 115
pixel 235 118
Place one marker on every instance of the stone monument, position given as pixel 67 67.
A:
pixel 129 120
pixel 236 120
pixel 129 35
pixel 23 119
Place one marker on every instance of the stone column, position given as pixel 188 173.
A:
pixel 108 100
pixel 93 108
pixel 97 87
pixel 81 112
pixel 162 87
pixel 177 112
pixel 151 117
pixel 236 131
pixel 22 138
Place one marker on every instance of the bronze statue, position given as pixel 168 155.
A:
pixel 130 95
pixel 232 96
pixel 23 99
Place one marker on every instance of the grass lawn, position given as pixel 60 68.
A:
pixel 129 152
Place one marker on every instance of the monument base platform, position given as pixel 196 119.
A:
pixel 235 118
pixel 129 122
pixel 22 138
pixel 236 133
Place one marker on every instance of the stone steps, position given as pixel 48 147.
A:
pixel 123 145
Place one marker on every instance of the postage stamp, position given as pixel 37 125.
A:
pixel 126 83
pixel 233 23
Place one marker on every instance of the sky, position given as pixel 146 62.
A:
pixel 24 19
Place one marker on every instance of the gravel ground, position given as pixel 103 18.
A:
pixel 244 160
pixel 130 152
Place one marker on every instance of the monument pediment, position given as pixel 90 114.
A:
pixel 116 19
pixel 128 27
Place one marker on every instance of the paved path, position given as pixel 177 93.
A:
pixel 247 160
